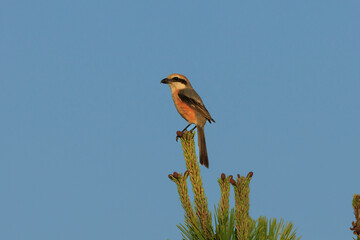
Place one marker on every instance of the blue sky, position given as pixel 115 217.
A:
pixel 88 132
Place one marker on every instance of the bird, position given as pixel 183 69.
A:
pixel 190 106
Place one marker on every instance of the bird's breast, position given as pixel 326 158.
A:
pixel 184 110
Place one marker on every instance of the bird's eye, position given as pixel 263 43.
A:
pixel 180 80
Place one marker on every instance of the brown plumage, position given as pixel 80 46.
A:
pixel 190 106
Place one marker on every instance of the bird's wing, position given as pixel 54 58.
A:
pixel 193 100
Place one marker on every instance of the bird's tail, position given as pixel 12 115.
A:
pixel 202 147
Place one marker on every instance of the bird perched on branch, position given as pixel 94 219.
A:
pixel 190 106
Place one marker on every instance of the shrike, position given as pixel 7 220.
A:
pixel 189 105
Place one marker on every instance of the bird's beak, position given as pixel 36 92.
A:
pixel 165 81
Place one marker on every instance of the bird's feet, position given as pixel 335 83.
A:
pixel 193 129
pixel 179 134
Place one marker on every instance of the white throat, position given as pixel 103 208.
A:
pixel 176 86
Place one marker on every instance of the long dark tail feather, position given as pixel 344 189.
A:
pixel 202 147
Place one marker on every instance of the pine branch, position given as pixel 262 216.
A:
pixel 229 224
pixel 242 205
pixel 180 180
pixel 223 207
pixel 192 165
pixel 356 225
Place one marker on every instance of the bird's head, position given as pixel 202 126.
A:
pixel 176 81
